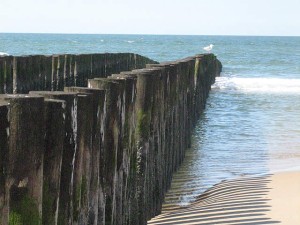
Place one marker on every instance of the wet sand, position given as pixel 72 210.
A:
pixel 268 199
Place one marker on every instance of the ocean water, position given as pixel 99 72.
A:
pixel 251 124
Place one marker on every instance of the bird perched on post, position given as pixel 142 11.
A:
pixel 208 48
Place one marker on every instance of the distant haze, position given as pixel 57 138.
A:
pixel 199 17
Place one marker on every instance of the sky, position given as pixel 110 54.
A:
pixel 183 17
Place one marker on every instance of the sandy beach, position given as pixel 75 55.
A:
pixel 267 199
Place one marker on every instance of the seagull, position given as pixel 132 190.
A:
pixel 208 48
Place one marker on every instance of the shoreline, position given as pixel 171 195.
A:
pixel 261 199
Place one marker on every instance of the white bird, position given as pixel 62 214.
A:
pixel 208 48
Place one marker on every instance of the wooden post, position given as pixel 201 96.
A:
pixel 25 158
pixel 54 146
pixel 4 134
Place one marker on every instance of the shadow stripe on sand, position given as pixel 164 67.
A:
pixel 240 201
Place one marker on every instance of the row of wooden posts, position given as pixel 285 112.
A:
pixel 101 154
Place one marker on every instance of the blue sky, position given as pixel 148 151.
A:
pixel 199 17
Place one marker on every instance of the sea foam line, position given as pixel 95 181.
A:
pixel 4 54
pixel 268 85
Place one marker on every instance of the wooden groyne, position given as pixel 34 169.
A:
pixel 21 74
pixel 100 154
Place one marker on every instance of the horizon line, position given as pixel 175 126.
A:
pixel 160 34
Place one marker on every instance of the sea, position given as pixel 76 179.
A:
pixel 251 123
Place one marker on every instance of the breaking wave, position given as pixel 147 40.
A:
pixel 3 54
pixel 258 85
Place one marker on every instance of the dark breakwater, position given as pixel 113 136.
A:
pixel 21 74
pixel 101 154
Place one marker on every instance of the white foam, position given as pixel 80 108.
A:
pixel 257 85
pixel 129 41
pixel 4 54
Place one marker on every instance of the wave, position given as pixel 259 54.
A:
pixel 258 85
pixel 129 41
pixel 4 54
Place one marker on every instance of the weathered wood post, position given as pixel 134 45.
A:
pixel 6 75
pixel 129 149
pixel 65 214
pixel 144 104
pixel 3 72
pixel 95 191
pixel 25 158
pixel 164 136
pixel 54 146
pixel 113 152
pixel 4 133
pixel 82 163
